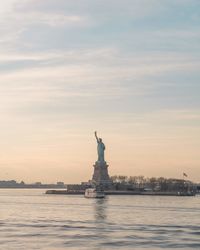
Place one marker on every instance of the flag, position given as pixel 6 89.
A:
pixel 184 174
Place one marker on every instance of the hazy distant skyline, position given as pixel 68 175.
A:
pixel 128 69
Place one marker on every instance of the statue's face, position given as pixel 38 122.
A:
pixel 100 139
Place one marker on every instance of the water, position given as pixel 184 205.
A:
pixel 29 219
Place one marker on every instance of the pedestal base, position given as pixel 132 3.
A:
pixel 100 176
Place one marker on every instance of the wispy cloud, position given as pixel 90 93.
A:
pixel 50 19
pixel 102 73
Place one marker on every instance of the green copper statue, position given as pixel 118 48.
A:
pixel 100 148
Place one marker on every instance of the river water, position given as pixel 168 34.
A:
pixel 29 219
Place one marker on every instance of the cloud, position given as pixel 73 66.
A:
pixel 86 76
pixel 47 25
pixel 50 19
pixel 100 8
pixel 14 23
pixel 7 6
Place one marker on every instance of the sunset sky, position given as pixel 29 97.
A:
pixel 129 69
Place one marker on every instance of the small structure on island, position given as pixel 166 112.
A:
pixel 100 175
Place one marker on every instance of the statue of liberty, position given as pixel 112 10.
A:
pixel 100 148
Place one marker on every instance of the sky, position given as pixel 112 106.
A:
pixel 126 68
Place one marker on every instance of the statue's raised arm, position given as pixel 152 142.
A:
pixel 95 133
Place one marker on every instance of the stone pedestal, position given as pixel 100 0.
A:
pixel 100 176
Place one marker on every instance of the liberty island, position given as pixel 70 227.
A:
pixel 101 178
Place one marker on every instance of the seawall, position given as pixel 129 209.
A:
pixel 114 192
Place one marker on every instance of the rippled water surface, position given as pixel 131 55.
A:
pixel 29 219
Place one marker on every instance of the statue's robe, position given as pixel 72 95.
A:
pixel 100 150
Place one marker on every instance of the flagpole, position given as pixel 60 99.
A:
pixel 184 175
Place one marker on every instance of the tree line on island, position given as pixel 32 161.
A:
pixel 151 184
